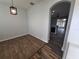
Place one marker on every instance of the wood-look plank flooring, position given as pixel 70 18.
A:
pixel 45 53
pixel 26 47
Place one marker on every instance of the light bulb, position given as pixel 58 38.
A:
pixel 13 10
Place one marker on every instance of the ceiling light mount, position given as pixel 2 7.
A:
pixel 31 3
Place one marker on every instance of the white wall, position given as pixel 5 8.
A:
pixel 39 19
pixel 73 51
pixel 73 37
pixel 12 25
pixel 74 28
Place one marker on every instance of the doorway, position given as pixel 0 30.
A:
pixel 59 14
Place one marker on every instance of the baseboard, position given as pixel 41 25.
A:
pixel 19 36
pixel 12 37
pixel 39 38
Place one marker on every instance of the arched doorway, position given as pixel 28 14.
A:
pixel 59 14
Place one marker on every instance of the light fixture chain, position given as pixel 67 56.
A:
pixel 12 3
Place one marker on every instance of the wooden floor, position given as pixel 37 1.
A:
pixel 26 47
pixel 45 53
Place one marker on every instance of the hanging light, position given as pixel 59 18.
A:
pixel 13 10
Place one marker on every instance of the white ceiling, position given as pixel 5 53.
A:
pixel 20 3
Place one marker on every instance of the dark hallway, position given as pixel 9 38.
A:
pixel 59 17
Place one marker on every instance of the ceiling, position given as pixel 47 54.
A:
pixel 20 3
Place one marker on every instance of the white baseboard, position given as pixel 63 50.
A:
pixel 39 38
pixel 12 37
pixel 19 36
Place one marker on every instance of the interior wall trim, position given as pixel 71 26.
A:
pixel 13 37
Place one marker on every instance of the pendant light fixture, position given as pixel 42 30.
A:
pixel 13 10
